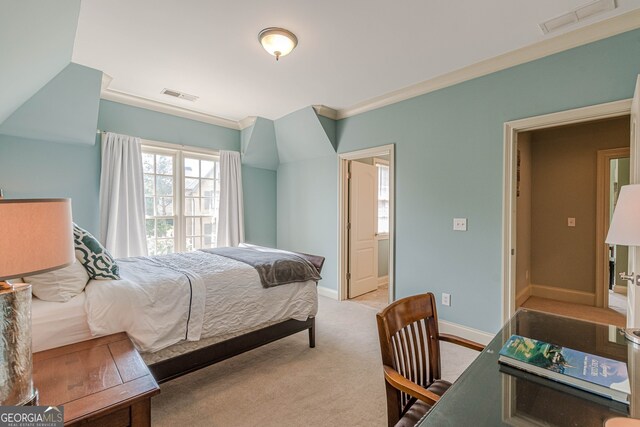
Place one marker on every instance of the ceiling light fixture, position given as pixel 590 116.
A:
pixel 277 41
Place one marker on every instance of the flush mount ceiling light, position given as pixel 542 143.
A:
pixel 277 41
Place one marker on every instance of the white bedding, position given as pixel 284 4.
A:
pixel 164 300
pixel 55 324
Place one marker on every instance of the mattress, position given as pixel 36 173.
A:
pixel 161 307
pixel 55 324
pixel 162 301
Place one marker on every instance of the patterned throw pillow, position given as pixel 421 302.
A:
pixel 93 256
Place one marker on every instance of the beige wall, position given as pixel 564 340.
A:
pixel 523 214
pixel 564 185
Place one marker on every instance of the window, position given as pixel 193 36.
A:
pixel 201 199
pixel 182 194
pixel 383 197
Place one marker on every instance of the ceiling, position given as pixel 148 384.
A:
pixel 348 51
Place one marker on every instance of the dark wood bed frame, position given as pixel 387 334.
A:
pixel 175 367
pixel 169 369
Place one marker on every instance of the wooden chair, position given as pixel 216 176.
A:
pixel 410 344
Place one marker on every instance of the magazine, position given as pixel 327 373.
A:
pixel 596 374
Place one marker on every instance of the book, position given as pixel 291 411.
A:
pixel 595 374
pixel 589 397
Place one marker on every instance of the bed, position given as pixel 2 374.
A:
pixel 183 311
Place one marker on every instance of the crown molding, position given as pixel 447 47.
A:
pixel 161 107
pixel 246 122
pixel 106 81
pixel 589 34
pixel 328 112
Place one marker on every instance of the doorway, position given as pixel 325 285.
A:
pixel 613 173
pixel 561 223
pixel 566 222
pixel 367 226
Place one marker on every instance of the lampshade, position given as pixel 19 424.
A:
pixel 625 224
pixel 277 41
pixel 36 236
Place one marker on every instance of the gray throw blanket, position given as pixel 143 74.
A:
pixel 274 267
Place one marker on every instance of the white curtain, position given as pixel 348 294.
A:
pixel 122 215
pixel 231 213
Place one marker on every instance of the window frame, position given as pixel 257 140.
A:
pixel 376 162
pixel 178 152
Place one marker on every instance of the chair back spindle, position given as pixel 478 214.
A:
pixel 408 330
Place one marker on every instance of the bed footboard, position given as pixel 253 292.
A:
pixel 169 369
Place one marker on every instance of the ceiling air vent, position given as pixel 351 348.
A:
pixel 180 95
pixel 579 14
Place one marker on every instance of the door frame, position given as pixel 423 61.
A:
pixel 603 173
pixel 343 203
pixel 511 130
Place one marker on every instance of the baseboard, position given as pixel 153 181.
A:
pixel 465 332
pixel 383 280
pixel 565 295
pixel 523 295
pixel 327 292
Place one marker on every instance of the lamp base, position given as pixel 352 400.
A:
pixel 33 400
pixel 633 335
pixel 16 383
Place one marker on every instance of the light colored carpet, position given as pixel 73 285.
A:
pixel 578 311
pixel 286 383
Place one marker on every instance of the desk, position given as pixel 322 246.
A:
pixel 485 396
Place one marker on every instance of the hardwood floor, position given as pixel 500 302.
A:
pixel 618 302
pixel 578 311
pixel 377 299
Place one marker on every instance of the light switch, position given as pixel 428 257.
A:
pixel 460 224
pixel 571 222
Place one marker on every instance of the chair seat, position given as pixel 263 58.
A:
pixel 420 408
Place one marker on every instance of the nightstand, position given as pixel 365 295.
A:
pixel 103 381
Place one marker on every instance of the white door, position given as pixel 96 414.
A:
pixel 363 253
pixel 633 300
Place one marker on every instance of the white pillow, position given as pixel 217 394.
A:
pixel 59 285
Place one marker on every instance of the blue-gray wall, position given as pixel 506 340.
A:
pixel 307 190
pixel 33 168
pixel 383 257
pixel 64 110
pixel 259 197
pixel 36 41
pixel 147 124
pixel 449 149
pixel 37 169
pixel 308 211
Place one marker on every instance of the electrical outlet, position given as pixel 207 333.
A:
pixel 571 222
pixel 460 224
pixel 446 299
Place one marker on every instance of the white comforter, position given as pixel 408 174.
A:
pixel 163 300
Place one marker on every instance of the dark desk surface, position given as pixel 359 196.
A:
pixel 486 396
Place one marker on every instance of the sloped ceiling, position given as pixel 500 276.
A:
pixel 301 136
pixel 36 42
pixel 260 149
pixel 64 110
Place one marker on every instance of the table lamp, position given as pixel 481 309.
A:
pixel 625 230
pixel 36 236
